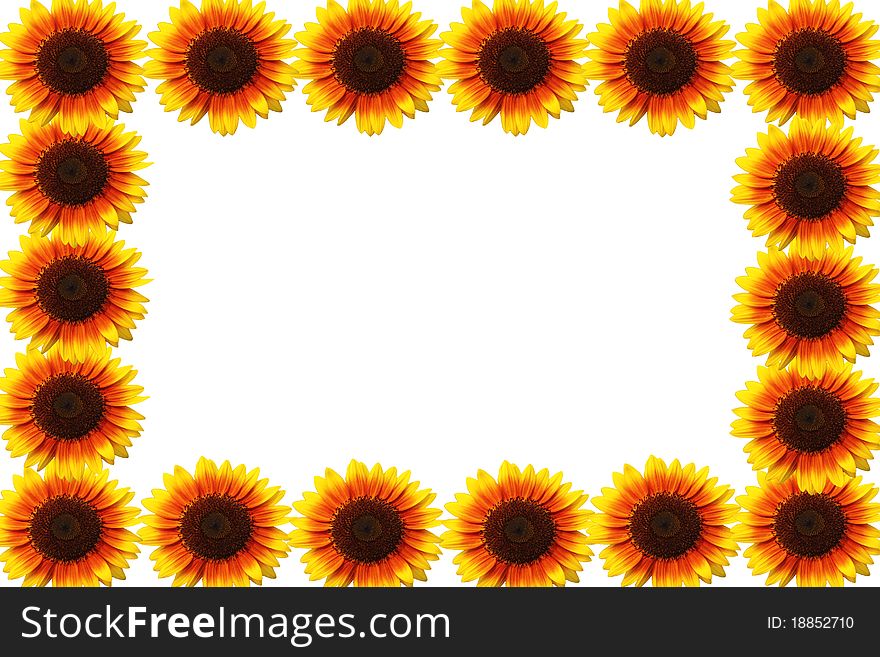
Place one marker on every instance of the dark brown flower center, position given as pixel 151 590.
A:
pixel 71 289
pixel 72 61
pixel 519 531
pixel 368 60
pixel 809 420
pixel 71 172
pixel 65 528
pixel 809 61
pixel 222 60
pixel 665 526
pixel 513 60
pixel 809 305
pixel 67 406
pixel 366 530
pixel 809 186
pixel 809 524
pixel 215 527
pixel 660 61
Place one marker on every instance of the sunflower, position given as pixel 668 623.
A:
pixel 81 298
pixel 811 312
pixel 817 537
pixel 518 59
pixel 69 414
pixel 220 527
pixel 525 529
pixel 68 531
pixel 814 428
pixel 369 529
pixel 664 60
pixel 225 60
pixel 372 60
pixel 813 60
pixel 809 189
pixel 72 183
pixel 668 525
pixel 74 63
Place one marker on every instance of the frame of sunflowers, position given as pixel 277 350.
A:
pixel 809 185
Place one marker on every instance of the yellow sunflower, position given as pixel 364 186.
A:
pixel 73 183
pixel 518 59
pixel 525 529
pixel 811 189
pixel 663 60
pixel 75 63
pixel 811 312
pixel 816 538
pixel 812 428
pixel 372 60
pixel 69 414
pixel 813 60
pixel 220 527
pixel 76 299
pixel 669 525
pixel 370 529
pixel 68 531
pixel 225 60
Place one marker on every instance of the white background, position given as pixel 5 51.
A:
pixel 440 297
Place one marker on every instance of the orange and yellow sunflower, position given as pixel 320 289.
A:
pixel 372 60
pixel 664 60
pixel 811 312
pixel 74 63
pixel 668 525
pixel 370 529
pixel 813 60
pixel 73 183
pixel 67 531
pixel 226 60
pixel 518 59
pixel 69 414
pixel 220 527
pixel 525 529
pixel 812 428
pixel 811 189
pixel 76 299
pixel 815 538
